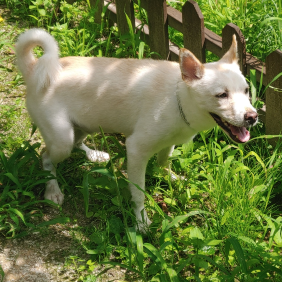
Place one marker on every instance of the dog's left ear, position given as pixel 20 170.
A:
pixel 231 56
pixel 191 67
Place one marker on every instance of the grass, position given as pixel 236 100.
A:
pixel 221 221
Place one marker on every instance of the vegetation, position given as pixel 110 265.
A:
pixel 220 221
pixel 259 20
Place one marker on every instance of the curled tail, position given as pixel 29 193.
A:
pixel 42 71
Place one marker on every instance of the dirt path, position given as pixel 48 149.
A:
pixel 56 253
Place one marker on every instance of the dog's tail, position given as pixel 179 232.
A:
pixel 44 70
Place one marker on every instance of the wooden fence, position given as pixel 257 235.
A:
pixel 197 38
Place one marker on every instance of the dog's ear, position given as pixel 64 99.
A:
pixel 231 56
pixel 191 67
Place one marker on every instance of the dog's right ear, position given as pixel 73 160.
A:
pixel 231 56
pixel 191 67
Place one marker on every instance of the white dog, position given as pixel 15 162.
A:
pixel 156 104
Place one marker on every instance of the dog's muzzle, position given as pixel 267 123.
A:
pixel 236 133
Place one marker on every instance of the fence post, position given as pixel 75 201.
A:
pixel 125 7
pixel 158 28
pixel 227 34
pixel 98 5
pixel 194 30
pixel 273 97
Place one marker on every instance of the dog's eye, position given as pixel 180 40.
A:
pixel 247 90
pixel 223 95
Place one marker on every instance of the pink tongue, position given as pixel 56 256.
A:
pixel 241 132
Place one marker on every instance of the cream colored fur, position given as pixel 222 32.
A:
pixel 71 97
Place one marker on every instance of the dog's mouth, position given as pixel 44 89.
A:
pixel 237 134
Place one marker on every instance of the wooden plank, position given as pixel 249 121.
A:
pixel 213 42
pixel 123 8
pixel 111 11
pixel 227 33
pixel 158 27
pixel 193 29
pixel 174 18
pixel 256 64
pixel 273 96
pixel 173 52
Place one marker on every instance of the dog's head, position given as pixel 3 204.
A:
pixel 222 91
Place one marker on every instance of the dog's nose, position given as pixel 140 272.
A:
pixel 251 117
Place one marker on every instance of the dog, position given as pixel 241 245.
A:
pixel 155 104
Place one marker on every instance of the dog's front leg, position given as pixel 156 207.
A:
pixel 53 191
pixel 137 158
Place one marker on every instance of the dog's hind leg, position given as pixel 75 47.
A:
pixel 52 191
pixel 164 154
pixel 58 148
pixel 92 155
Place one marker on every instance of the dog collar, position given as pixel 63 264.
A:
pixel 180 108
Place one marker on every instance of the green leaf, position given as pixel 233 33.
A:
pixel 131 32
pixel 14 179
pixel 252 153
pixel 155 255
pixel 42 12
pixel 141 50
pixel 116 201
pixel 172 274
pixel 180 218
pixel 140 257
pixel 60 220
pixel 239 253
pixel 196 233
pixel 170 201
pixel 224 218
pixel 103 171
pixel 208 259
pixel 18 213
pixel 253 86
pixel 93 252
pixel 85 193
pixel 98 237
pixel 212 242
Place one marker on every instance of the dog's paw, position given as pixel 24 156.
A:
pixel 143 224
pixel 53 192
pixel 143 227
pixel 97 156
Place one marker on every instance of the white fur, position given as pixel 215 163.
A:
pixel 71 97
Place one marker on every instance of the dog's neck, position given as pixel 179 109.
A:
pixel 190 113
